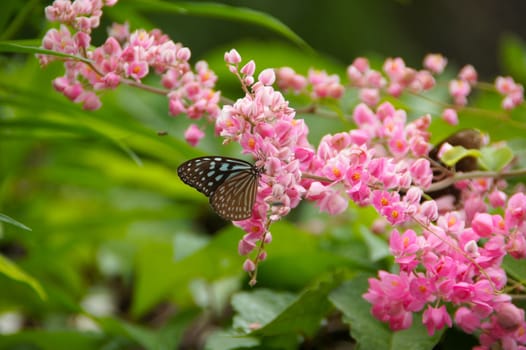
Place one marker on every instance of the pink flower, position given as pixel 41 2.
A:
pixel 370 96
pixel 249 265
pixel 90 101
pixel 395 68
pixel 232 57
pixel 436 318
pixel 449 115
pixel 462 292
pixel 505 85
pixel 249 68
pixel 469 74
pixel 421 172
pixel 422 290
pixel 516 210
pixel 402 245
pixel 398 144
pixel 287 78
pixel 513 92
pixel 482 224
pixel 121 32
pixel 435 63
pixel 508 316
pixel 193 135
pixel 459 89
pixel 404 248
pixel 429 211
pixel 267 76
pixel 467 320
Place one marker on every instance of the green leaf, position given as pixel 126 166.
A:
pixel 8 268
pixel 495 158
pixel 303 316
pixel 378 248
pixel 371 333
pixel 15 47
pixel 455 154
pixel 215 260
pixel 513 56
pixel 515 268
pixel 52 340
pixel 225 340
pixel 12 221
pixel 298 257
pixel 222 11
pixel 258 308
pixel 137 334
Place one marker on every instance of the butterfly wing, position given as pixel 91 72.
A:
pixel 205 174
pixel 230 183
pixel 234 198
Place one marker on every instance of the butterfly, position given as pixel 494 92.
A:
pixel 230 184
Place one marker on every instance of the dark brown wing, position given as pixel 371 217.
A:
pixel 206 174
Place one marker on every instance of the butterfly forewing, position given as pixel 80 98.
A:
pixel 206 173
pixel 230 183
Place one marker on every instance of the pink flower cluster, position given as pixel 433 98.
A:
pixel 264 125
pixel 453 264
pixel 398 77
pixel 317 84
pixel 126 58
pixel 371 163
pixel 513 92
pixel 82 15
pixel 457 262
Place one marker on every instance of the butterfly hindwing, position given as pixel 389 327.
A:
pixel 230 183
pixel 234 199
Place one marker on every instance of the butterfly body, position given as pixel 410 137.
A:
pixel 229 183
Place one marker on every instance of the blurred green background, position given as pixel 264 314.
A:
pixel 118 243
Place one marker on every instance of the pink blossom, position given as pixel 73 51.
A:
pixel 467 320
pixel 436 318
pixel 516 246
pixel 482 224
pixel 137 70
pixel 423 290
pixel 468 74
pixel 121 32
pixel 404 248
pixel 449 115
pixel 508 316
pixel 249 68
pixel 249 265
pixel 361 64
pixel 505 85
pixel 398 144
pixel 516 210
pixel 267 76
pixel 513 92
pixel 370 96
pixel 395 68
pixel 287 78
pixel 193 135
pixel 459 89
pixel 90 101
pixel 435 63
pixel 429 210
pixel 232 57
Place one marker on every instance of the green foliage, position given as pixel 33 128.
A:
pixel 9 269
pixel 495 158
pixel 107 211
pixel 368 331
pixel 455 154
